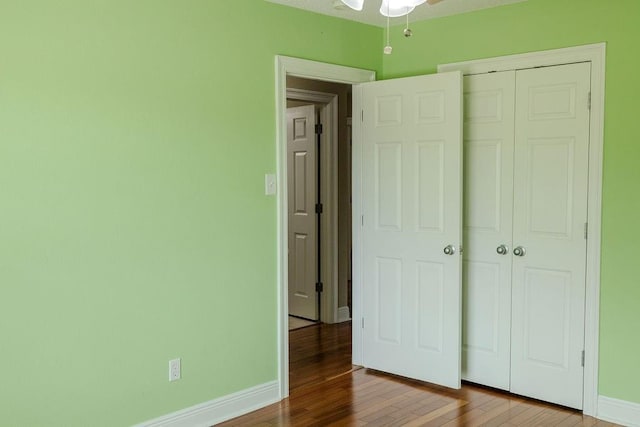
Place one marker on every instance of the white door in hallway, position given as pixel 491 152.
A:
pixel 302 172
pixel 411 232
pixel 488 204
pixel 550 213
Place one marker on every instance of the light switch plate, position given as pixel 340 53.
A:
pixel 269 184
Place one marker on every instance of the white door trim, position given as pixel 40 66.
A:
pixel 311 70
pixel 594 53
pixel 328 196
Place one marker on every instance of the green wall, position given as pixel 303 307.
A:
pixel 134 139
pixel 549 24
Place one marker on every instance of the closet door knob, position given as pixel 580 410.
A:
pixel 519 251
pixel 502 249
pixel 449 250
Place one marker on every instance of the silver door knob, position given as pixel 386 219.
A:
pixel 449 250
pixel 502 249
pixel 519 251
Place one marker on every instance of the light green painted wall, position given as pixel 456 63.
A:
pixel 548 24
pixel 134 137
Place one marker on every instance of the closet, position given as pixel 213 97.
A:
pixel 526 141
pixel 496 164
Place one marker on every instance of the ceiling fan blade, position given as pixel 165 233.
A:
pixel 432 2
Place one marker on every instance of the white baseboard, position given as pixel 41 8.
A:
pixel 343 314
pixel 221 409
pixel 619 411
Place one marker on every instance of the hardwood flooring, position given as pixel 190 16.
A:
pixel 318 353
pixel 326 391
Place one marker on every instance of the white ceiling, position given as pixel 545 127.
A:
pixel 371 15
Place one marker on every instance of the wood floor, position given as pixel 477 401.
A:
pixel 318 353
pixel 326 391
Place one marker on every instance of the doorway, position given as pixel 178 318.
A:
pixel 319 228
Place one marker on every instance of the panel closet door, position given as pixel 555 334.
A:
pixel 550 214
pixel 488 203
pixel 412 205
pixel 526 167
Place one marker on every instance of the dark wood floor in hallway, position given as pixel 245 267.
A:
pixel 318 353
pixel 326 391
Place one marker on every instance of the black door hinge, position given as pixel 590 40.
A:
pixel 319 287
pixel 319 129
pixel 319 208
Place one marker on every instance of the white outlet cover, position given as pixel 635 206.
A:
pixel 175 370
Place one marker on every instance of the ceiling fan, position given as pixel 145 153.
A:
pixel 392 8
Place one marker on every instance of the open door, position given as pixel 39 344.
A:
pixel 412 227
pixel 302 170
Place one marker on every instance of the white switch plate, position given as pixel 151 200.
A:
pixel 269 184
pixel 174 370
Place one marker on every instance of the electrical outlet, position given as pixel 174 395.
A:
pixel 175 371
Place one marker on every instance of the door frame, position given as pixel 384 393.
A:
pixel 284 66
pixel 595 54
pixel 328 197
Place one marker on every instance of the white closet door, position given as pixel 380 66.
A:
pixel 550 211
pixel 302 175
pixel 488 203
pixel 412 191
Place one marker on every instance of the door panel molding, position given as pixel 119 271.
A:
pixel 595 54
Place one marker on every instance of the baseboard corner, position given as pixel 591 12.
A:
pixel 618 411
pixel 221 409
